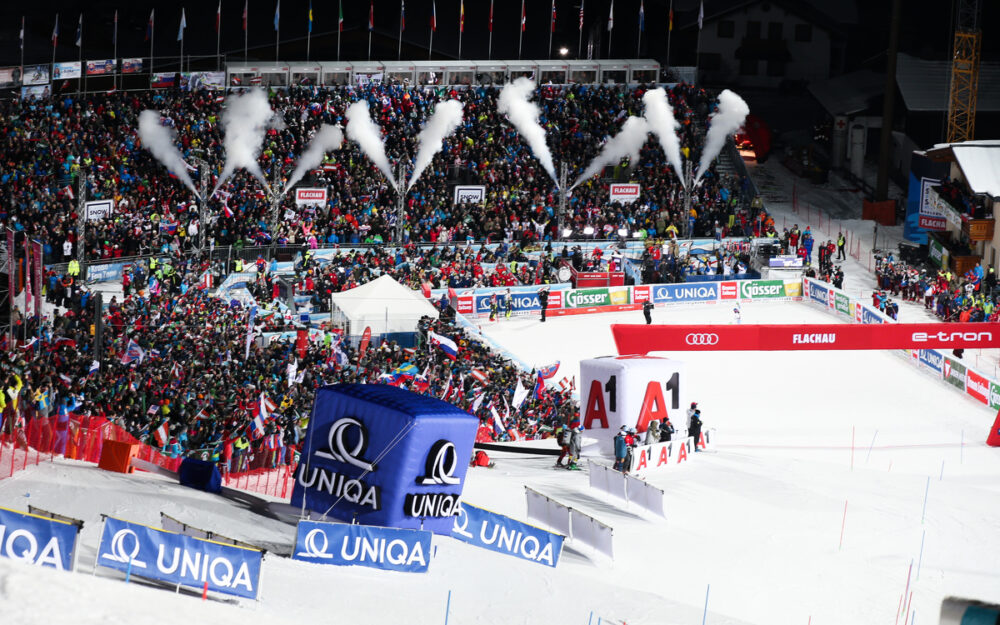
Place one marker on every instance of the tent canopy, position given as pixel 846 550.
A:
pixel 383 305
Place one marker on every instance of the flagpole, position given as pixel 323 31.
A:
pixel 22 47
pixel 552 27
pixel 670 30
pixel 489 55
pixel 55 42
pixel 309 34
pixel 340 29
pixel 579 41
pixel 152 35
pixel 218 36
pixel 115 83
pixel 638 41
pixel 520 32
pixel 430 54
pixel 83 72
pixel 246 27
pixel 461 27
pixel 399 48
pixel 277 32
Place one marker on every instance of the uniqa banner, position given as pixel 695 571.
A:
pixel 502 534
pixel 37 540
pixel 385 548
pixel 177 559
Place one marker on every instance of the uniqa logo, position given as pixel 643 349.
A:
pixel 439 468
pixel 22 544
pixel 702 339
pixel 337 446
pixel 510 540
pixel 378 550
pixel 339 485
pixel 121 553
pixel 201 567
pixel 312 549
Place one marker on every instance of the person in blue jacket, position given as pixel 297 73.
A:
pixel 621 450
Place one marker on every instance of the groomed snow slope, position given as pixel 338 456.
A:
pixel 759 520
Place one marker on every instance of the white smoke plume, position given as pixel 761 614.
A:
pixel 363 131
pixel 513 103
pixel 726 120
pixel 327 139
pixel 446 118
pixel 159 140
pixel 245 119
pixel 662 123
pixel 627 142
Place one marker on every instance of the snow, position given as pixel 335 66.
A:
pixel 759 519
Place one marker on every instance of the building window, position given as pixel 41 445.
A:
pixel 774 31
pixel 753 30
pixel 775 67
pixel 803 32
pixel 726 29
pixel 748 67
pixel 710 61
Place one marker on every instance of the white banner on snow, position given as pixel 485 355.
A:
pixel 576 525
pixel 606 479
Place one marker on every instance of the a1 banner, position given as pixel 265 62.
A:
pixel 660 457
pixel 502 534
pixel 153 553
pixel 642 339
pixel 342 544
pixel 37 540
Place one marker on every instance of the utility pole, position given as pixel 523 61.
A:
pixel 400 200
pixel 81 222
pixel 563 197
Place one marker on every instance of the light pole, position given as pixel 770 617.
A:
pixel 81 222
pixel 563 195
pixel 400 199
pixel 202 202
pixel 275 199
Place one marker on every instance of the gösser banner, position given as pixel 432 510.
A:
pixel 177 559
pixel 642 339
pixel 497 532
pixel 37 540
pixel 384 548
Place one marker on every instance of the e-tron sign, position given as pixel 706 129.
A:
pixel 642 339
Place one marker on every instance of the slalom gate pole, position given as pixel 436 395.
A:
pixel 843 523
pixel 870 447
pixel 920 558
pixel 704 615
pixel 909 602
pixel 447 608
pixel 591 619
pixel 926 490
pixel 942 471
pixel 128 571
pixel 204 592
pixel 852 447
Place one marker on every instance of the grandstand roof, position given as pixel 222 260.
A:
pixel 925 84
pixel 979 162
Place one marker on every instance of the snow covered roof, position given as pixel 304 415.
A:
pixel 849 93
pixel 980 164
pixel 925 84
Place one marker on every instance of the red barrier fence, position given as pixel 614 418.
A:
pixel 642 339
pixel 83 438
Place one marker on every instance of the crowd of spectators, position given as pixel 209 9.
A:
pixel 48 144
pixel 971 297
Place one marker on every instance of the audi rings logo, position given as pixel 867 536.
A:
pixel 315 545
pixel 442 460
pixel 120 552
pixel 702 339
pixel 338 446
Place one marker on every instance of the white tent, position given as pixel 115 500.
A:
pixel 383 305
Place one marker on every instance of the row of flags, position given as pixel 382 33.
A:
pixel 371 19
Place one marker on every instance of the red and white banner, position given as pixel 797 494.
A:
pixel 310 196
pixel 642 339
pixel 624 193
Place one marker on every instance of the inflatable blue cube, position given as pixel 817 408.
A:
pixel 380 455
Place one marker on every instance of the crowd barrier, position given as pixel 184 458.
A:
pixel 947 368
pixel 171 524
pixel 627 487
pixel 572 523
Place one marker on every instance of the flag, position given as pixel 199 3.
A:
pixel 68 191
pixel 520 394
pixel 371 15
pixel 180 31
pixel 434 16
pixel 642 16
pixel 491 15
pixel 480 375
pixel 133 352
pixel 547 372
pixel 218 16
pixel 267 407
pixel 701 13
pixel 447 388
pixel 310 16
pixel 670 18
pixel 176 371
pixel 149 26
pixel 66 380
pixel 114 38
pixel 162 433
pixel 553 16
pixel 277 15
pixel 539 388
pixel 256 427
pixel 94 368
pixel 581 14
pixel 522 16
pixel 22 33
pixel 55 32
pixel 340 18
pixel 448 346
pixel 498 427
pixel 461 16
pixel 79 32
pixel 478 399
pixel 611 16
pixel 245 6
pixel 402 15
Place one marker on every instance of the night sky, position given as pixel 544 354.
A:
pixel 926 30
